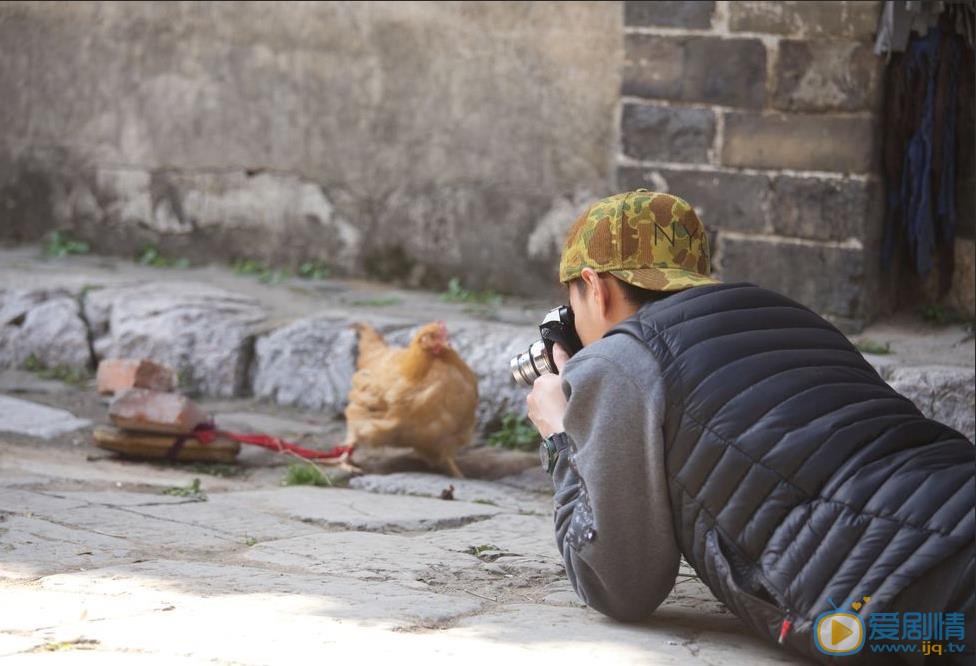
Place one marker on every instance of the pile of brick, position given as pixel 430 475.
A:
pixel 150 418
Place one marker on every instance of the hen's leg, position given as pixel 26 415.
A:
pixel 452 468
pixel 345 460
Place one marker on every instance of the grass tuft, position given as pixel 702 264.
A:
pixel 61 244
pixel 151 256
pixel 193 490
pixel 305 474
pixel 516 433
pixel 456 293
pixel 872 347
pixel 61 373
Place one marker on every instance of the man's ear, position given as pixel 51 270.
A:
pixel 598 289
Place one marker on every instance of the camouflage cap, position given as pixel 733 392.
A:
pixel 648 239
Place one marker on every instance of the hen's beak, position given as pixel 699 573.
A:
pixel 442 340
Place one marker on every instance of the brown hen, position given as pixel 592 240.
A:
pixel 422 397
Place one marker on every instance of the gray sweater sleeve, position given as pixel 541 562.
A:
pixel 613 513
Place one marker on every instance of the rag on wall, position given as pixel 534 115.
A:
pixel 920 147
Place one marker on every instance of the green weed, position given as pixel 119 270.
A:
pixel 938 315
pixel 305 474
pixel 60 244
pixel 456 293
pixel 152 257
pixel 193 490
pixel 516 433
pixel 872 347
pixel 263 273
pixel 62 646
pixel 313 270
pixel 377 302
pixel 61 373
pixel 486 552
pixel 478 551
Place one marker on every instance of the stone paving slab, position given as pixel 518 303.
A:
pixel 237 526
pixel 117 498
pixel 566 635
pixel 519 634
pixel 416 593
pixel 268 628
pixel 96 466
pixel 362 555
pixel 13 478
pixel 95 656
pixel 230 590
pixel 514 535
pixel 33 503
pixel 340 508
pixel 466 490
pixel 148 532
pixel 511 544
pixel 11 645
pixel 42 611
pixel 22 381
pixel 30 547
pixel 386 571
pixel 240 525
pixel 30 418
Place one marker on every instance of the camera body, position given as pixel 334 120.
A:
pixel 558 326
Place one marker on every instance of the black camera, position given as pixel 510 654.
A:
pixel 558 326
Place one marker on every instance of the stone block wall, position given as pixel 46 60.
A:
pixel 764 115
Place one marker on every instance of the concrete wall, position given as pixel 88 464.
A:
pixel 409 141
pixel 416 141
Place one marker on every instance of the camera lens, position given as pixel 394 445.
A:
pixel 529 366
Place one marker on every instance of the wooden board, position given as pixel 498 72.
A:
pixel 157 447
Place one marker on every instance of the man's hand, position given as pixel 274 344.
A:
pixel 547 404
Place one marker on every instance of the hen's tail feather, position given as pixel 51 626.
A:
pixel 370 341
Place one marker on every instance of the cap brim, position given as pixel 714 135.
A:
pixel 663 279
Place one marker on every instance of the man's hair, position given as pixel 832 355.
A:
pixel 636 296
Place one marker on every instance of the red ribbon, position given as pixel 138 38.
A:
pixel 206 433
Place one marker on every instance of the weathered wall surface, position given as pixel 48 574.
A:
pixel 410 141
pixel 764 116
pixel 417 141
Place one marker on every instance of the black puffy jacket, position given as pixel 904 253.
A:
pixel 796 474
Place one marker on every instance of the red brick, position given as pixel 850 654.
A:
pixel 119 374
pixel 151 411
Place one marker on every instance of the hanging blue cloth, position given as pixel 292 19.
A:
pixel 927 217
pixel 946 210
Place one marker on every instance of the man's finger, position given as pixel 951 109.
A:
pixel 559 356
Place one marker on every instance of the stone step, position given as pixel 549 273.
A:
pixel 295 346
